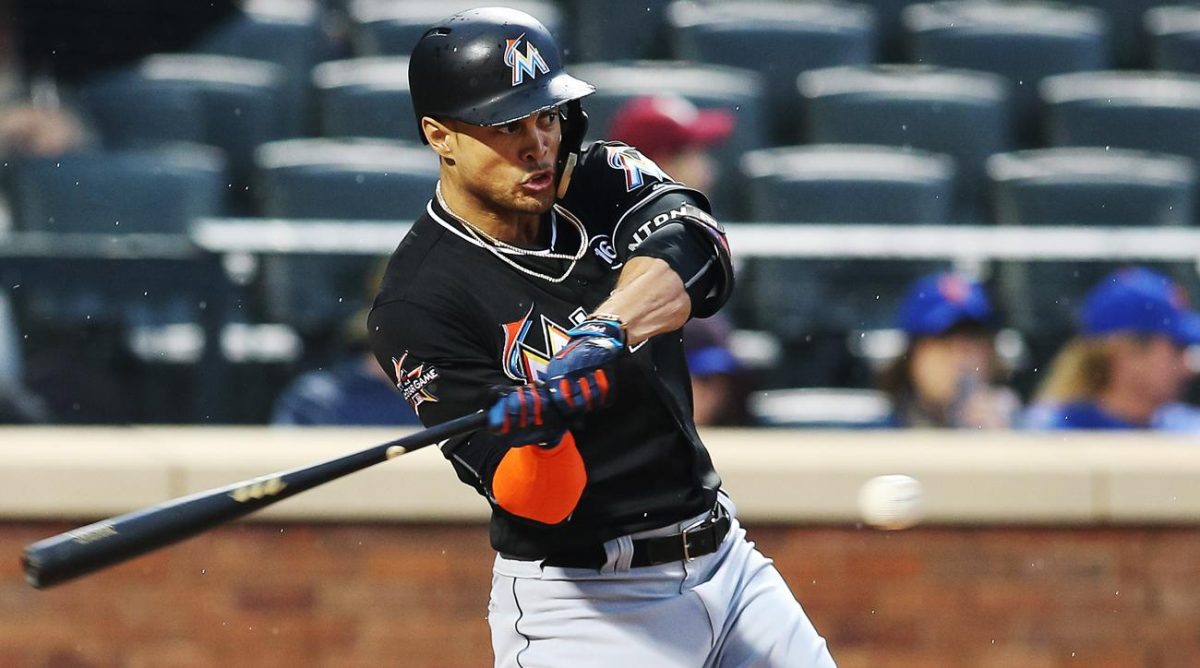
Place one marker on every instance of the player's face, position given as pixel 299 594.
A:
pixel 510 167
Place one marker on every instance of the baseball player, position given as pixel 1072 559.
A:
pixel 546 283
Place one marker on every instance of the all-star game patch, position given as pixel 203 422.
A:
pixel 415 383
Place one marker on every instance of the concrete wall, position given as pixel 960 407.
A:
pixel 1038 551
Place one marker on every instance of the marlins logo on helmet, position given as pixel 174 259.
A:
pixel 524 63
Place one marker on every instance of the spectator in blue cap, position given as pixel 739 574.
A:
pixel 718 390
pixel 949 374
pixel 1127 367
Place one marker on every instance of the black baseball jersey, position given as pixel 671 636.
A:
pixel 456 324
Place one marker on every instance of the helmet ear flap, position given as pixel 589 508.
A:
pixel 574 123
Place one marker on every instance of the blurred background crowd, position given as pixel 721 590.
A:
pixel 127 126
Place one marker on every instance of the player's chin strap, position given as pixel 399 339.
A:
pixel 574 127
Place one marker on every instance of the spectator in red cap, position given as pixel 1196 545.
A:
pixel 676 135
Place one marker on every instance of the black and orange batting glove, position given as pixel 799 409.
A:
pixel 527 416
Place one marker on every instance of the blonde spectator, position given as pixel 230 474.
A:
pixel 1127 367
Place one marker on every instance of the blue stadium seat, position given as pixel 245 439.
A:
pixel 960 113
pixel 1147 111
pixel 598 37
pixel 777 39
pixel 1125 18
pixel 835 183
pixel 706 86
pixel 366 97
pixel 129 111
pixel 351 179
pixel 116 192
pixel 242 101
pixel 1174 37
pixel 392 27
pixel 285 32
pixel 839 184
pixel 137 191
pixel 1081 186
pixel 1023 42
pixel 10 349
pixel 889 21
pixel 325 178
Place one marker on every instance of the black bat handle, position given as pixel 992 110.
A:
pixel 86 549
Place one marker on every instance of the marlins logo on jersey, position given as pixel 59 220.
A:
pixel 530 62
pixel 635 165
pixel 523 360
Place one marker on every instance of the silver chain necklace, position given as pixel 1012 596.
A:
pixel 501 249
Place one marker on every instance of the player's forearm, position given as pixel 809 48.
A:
pixel 650 299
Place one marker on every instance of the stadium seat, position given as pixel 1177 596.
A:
pixel 599 38
pixel 850 184
pixel 707 86
pixel 366 97
pixel 960 113
pixel 1125 18
pixel 10 349
pixel 128 111
pixel 285 32
pixel 777 39
pixel 840 184
pixel 1081 186
pixel 117 192
pixel 1023 42
pixel 242 102
pixel 136 191
pixel 1174 37
pixel 392 27
pixel 346 179
pixel 1147 111
pixel 351 179
pixel 889 21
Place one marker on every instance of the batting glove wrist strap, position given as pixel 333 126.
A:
pixel 601 324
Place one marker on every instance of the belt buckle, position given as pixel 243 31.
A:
pixel 698 525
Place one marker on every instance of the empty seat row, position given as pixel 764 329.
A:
pixel 835 184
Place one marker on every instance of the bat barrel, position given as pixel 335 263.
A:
pixel 107 542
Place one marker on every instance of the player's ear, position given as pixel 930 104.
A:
pixel 439 135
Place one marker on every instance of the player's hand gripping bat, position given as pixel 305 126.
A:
pixel 116 539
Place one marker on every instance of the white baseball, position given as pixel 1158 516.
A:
pixel 891 502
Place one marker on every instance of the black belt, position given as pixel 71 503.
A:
pixel 695 541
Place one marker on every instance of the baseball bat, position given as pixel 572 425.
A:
pixel 90 548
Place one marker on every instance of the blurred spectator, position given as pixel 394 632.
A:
pixel 676 135
pixel 949 374
pixel 719 389
pixel 49 46
pixel 1127 367
pixel 352 391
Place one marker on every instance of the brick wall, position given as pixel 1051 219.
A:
pixel 415 596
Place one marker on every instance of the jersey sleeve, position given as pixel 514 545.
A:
pixel 624 195
pixel 443 371
pixel 611 179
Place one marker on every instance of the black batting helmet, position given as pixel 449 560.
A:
pixel 491 66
